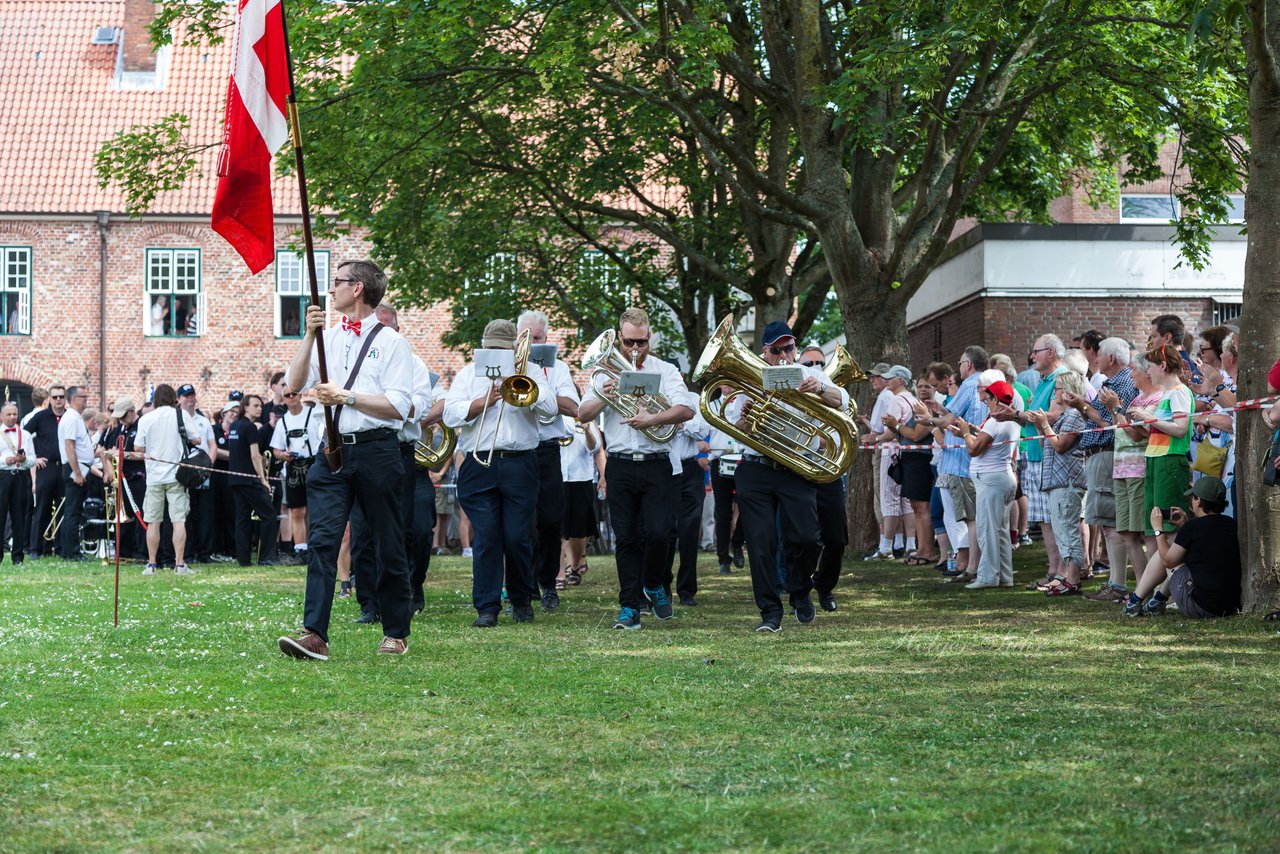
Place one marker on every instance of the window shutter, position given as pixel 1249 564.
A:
pixel 146 314
pixel 24 311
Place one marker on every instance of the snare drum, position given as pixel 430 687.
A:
pixel 729 464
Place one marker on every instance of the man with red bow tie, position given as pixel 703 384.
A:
pixel 16 460
pixel 370 385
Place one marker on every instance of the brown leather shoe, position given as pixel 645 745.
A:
pixel 393 646
pixel 307 645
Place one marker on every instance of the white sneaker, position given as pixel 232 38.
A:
pixel 466 552
pixel 979 585
pixel 150 570
pixel 183 569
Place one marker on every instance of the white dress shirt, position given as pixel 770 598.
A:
pixel 685 445
pixel 721 442
pixel 825 383
pixel 307 429
pixel 623 438
pixel 519 423
pixel 577 461
pixel 387 370
pixel 72 427
pixel 11 443
pixel 880 409
pixel 422 397
pixel 561 382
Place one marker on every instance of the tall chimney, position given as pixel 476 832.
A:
pixel 135 42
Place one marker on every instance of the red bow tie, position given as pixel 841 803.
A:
pixel 11 429
pixel 349 325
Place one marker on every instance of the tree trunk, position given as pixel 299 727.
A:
pixel 770 307
pixel 1257 505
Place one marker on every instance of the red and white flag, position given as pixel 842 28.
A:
pixel 254 130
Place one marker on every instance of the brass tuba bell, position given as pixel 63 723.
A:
pixel 843 371
pixel 792 428
pixel 426 456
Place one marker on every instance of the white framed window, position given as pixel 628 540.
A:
pixel 497 281
pixel 15 290
pixel 172 300
pixel 598 269
pixel 1141 207
pixel 1235 207
pixel 293 289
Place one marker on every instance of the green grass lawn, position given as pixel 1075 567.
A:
pixel 918 717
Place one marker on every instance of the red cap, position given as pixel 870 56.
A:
pixel 1001 391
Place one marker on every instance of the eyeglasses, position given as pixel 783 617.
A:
pixel 965 362
pixel 815 364
pixel 785 348
pixel 289 394
pixel 1032 354
pixel 634 342
pixel 57 397
pixel 348 281
pixel 1205 349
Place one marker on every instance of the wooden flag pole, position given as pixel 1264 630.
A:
pixel 333 443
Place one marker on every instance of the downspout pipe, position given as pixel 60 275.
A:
pixel 103 218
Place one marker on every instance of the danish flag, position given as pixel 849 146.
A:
pixel 254 130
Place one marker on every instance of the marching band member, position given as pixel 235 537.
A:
pixel 723 488
pixel 77 458
pixel 424 500
pixel 17 456
pixel 767 488
pixel 641 489
pixel 499 497
pixel 371 388
pixel 688 444
pixel 580 463
pixel 833 521
pixel 251 487
pixel 550 483
pixel 42 424
pixel 295 442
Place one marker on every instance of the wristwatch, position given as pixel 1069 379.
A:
pixel 351 399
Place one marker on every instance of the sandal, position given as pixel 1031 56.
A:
pixel 581 570
pixel 561 584
pixel 1042 583
pixel 1062 588
pixel 941 565
pixel 572 578
pixel 963 577
pixel 917 560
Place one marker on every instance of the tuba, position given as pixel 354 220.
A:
pixel 843 370
pixel 427 457
pixel 781 425
pixel 516 390
pixel 603 357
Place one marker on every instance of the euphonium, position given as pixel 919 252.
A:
pixel 55 521
pixel 781 425
pixel 427 457
pixel 516 390
pixel 843 370
pixel 603 357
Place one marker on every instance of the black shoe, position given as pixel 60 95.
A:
pixel 419 606
pixel 688 602
pixel 738 560
pixel 268 562
pixel 522 613
pixel 550 601
pixel 827 601
pixel 770 626
pixel 898 553
pixel 368 617
pixel 804 609
pixel 487 620
pixel 724 568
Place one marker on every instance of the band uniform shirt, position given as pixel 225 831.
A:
pixel 387 370
pixel 625 439
pixel 203 430
pixel 421 398
pixel 721 442
pixel 299 434
pixel 158 437
pixel 519 424
pixel 242 434
pixel 12 440
pixel 685 444
pixel 72 427
pixel 577 461
pixel 825 384
pixel 561 382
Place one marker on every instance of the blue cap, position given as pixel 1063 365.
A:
pixel 775 331
pixel 186 389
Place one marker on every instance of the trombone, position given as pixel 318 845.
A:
pixel 55 521
pixel 516 390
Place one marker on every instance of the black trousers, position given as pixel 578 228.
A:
pixel 364 561
pixel 501 503
pixel 72 514
pixel 550 515
pixel 687 529
pixel 369 479
pixel 224 516
pixel 252 497
pixel 49 492
pixel 15 508
pixel 833 529
pixel 642 498
pixel 424 526
pixel 723 490
pixel 764 492
pixel 200 524
pixel 133 537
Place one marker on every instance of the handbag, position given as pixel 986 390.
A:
pixel 191 478
pixel 897 471
pixel 1210 459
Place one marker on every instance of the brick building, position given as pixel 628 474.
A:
pixel 90 297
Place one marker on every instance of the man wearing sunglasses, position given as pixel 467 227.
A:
pixel 43 427
pixel 643 492
pixel 770 496
pixel 833 521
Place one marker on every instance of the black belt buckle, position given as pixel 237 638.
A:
pixel 348 438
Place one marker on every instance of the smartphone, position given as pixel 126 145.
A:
pixel 1167 512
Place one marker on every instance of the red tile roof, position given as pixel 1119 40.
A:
pixel 59 103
